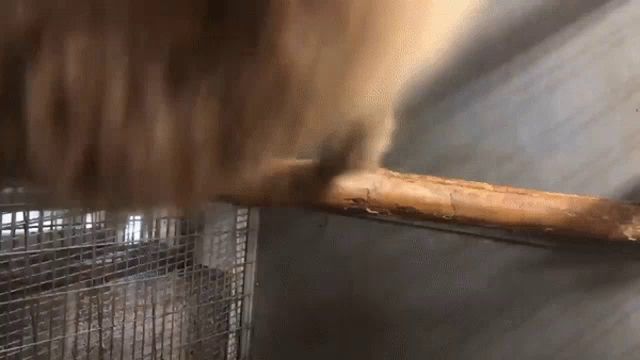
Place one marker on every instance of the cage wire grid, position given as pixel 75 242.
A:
pixel 101 285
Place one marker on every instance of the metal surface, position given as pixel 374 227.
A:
pixel 563 116
pixel 99 285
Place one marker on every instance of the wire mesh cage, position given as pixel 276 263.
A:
pixel 102 285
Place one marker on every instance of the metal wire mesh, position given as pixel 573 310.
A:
pixel 100 285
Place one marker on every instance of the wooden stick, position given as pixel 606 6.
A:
pixel 385 193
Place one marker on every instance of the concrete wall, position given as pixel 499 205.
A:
pixel 549 100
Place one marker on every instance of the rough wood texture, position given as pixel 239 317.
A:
pixel 419 197
pixel 559 117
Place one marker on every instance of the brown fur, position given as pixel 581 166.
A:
pixel 147 102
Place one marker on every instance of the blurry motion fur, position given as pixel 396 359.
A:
pixel 158 102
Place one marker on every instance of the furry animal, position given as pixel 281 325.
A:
pixel 149 102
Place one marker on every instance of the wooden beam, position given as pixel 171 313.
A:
pixel 383 194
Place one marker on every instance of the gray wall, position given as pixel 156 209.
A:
pixel 547 96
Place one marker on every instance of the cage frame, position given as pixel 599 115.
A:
pixel 241 329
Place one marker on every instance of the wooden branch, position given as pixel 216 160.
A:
pixel 385 193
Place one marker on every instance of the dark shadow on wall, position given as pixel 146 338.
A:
pixel 338 288
pixel 493 58
pixel 489 50
pixel 631 193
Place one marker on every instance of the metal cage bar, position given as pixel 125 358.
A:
pixel 101 285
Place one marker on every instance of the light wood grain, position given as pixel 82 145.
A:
pixel 384 193
pixel 559 117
